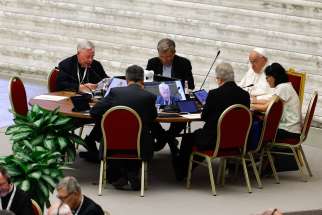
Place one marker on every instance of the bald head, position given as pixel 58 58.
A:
pixel 257 59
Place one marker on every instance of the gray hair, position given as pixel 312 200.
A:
pixel 163 87
pixel 165 45
pixel 225 72
pixel 85 44
pixel 70 184
pixel 134 73
pixel 59 209
pixel 5 174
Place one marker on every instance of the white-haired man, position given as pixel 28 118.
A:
pixel 165 97
pixel 80 72
pixel 254 80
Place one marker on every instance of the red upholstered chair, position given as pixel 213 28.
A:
pixel 298 81
pixel 17 95
pixel 35 207
pixel 52 78
pixel 121 127
pixel 231 142
pixel 271 121
pixel 296 144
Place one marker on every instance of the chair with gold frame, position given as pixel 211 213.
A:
pixel 17 96
pixel 35 207
pixel 227 145
pixel 51 80
pixel 296 144
pixel 298 81
pixel 121 140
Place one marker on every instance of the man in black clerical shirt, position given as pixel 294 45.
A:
pixel 169 64
pixel 80 72
pixel 69 192
pixel 12 198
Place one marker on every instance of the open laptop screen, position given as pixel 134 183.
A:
pixel 168 92
pixel 187 106
pixel 201 96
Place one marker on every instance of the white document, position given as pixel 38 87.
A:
pixel 192 116
pixel 51 97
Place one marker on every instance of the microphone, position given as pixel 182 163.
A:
pixel 210 69
pixel 250 85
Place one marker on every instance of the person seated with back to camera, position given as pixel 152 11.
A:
pixel 169 64
pixel 165 97
pixel 290 124
pixel 218 100
pixel 81 73
pixel 124 172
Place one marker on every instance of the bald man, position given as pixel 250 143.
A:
pixel 254 80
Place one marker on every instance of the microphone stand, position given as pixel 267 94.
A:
pixel 210 69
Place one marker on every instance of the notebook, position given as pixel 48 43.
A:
pixel 201 96
pixel 187 106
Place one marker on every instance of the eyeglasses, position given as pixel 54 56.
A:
pixel 63 198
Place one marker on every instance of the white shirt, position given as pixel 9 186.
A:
pixel 260 87
pixel 291 117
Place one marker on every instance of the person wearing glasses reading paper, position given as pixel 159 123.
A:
pixel 80 72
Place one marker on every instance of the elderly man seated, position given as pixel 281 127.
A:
pixel 254 80
pixel 218 100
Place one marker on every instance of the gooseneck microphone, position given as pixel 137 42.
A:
pixel 210 69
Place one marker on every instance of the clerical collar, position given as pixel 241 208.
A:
pixel 13 193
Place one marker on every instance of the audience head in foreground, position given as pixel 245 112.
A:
pixel 12 197
pixel 69 192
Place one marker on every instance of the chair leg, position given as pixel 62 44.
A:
pixel 259 182
pixel 223 172
pixel 142 179
pixel 189 172
pixel 105 174
pixel 261 161
pixel 101 178
pixel 271 162
pixel 249 188
pixel 146 176
pixel 299 164
pixel 305 162
pixel 211 175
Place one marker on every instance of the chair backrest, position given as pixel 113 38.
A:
pixel 121 128
pixel 309 116
pixel 51 80
pixel 35 207
pixel 271 122
pixel 17 96
pixel 233 128
pixel 298 81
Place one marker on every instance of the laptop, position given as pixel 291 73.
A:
pixel 187 106
pixel 81 103
pixel 201 96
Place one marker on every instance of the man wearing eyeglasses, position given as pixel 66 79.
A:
pixel 254 80
pixel 69 192
pixel 13 198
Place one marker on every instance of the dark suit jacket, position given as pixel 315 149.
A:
pixel 217 102
pixel 21 204
pixel 67 78
pixel 89 207
pixel 142 102
pixel 181 69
